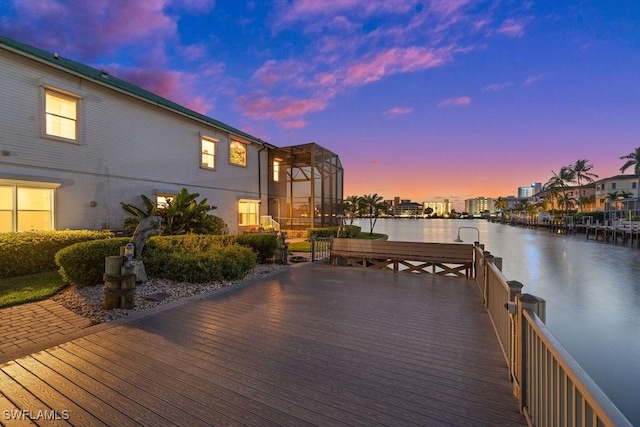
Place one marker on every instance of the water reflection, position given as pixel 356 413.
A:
pixel 590 287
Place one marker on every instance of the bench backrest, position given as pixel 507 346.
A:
pixel 408 249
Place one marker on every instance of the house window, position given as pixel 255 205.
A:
pixel 61 115
pixel 276 170
pixel 238 153
pixel 163 200
pixel 249 211
pixel 208 156
pixel 613 185
pixel 25 208
pixel 634 185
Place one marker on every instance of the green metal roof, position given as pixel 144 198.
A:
pixel 104 79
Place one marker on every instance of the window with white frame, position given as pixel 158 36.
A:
pixel 24 208
pixel 61 115
pixel 249 212
pixel 208 153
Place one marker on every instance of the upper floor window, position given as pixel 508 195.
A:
pixel 238 153
pixel 634 185
pixel 61 115
pixel 276 170
pixel 208 153
pixel 613 185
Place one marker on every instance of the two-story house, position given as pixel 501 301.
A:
pixel 76 141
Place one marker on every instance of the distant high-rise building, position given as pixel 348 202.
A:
pixel 479 205
pixel 530 191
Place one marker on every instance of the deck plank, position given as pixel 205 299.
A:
pixel 310 345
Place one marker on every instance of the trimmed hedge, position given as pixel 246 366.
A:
pixel 187 258
pixel 197 258
pixel 34 251
pixel 264 245
pixel 347 231
pixel 83 263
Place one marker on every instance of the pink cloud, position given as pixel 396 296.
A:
pixel 497 87
pixel 511 28
pixel 531 80
pixel 393 61
pixel 91 28
pixel 197 6
pixel 398 111
pixel 281 109
pixel 460 101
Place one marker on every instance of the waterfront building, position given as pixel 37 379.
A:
pixel 625 186
pixel 77 141
pixel 438 208
pixel 479 205
pixel 529 191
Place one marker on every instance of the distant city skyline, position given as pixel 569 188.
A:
pixel 443 99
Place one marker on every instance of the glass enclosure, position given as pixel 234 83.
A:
pixel 307 187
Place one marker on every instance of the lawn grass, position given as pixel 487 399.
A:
pixel 33 287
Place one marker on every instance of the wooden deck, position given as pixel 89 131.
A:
pixel 310 345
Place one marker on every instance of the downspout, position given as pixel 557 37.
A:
pixel 260 172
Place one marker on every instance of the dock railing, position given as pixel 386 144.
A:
pixel 552 389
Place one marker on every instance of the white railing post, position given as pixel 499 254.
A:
pixel 538 306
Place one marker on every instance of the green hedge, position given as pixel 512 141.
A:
pixel 83 263
pixel 197 259
pixel 264 245
pixel 34 251
pixel 346 231
pixel 187 258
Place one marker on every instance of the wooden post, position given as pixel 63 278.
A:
pixel 112 267
pixel 119 283
pixel 538 306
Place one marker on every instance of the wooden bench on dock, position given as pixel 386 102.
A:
pixel 413 257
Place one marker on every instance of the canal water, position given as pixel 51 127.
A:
pixel 592 290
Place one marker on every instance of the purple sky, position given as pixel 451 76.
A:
pixel 420 99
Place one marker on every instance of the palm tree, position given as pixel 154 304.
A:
pixel 352 207
pixel 581 171
pixel 373 206
pixel 559 182
pixel 500 204
pixel 633 159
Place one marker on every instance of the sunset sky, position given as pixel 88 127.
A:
pixel 423 100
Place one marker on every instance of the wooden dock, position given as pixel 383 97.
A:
pixel 309 345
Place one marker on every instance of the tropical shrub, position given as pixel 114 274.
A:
pixel 182 215
pixel 34 251
pixel 264 245
pixel 346 231
pixel 83 263
pixel 197 258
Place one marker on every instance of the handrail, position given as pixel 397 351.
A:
pixel 586 402
pixel 551 386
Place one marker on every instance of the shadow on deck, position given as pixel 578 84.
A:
pixel 309 345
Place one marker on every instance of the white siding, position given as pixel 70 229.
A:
pixel 128 147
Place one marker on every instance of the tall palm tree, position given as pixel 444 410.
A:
pixel 559 183
pixel 373 206
pixel 581 170
pixel 633 159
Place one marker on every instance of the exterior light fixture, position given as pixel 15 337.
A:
pixel 459 240
pixel 128 253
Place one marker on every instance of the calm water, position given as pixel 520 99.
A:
pixel 592 291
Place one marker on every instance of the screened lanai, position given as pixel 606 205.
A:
pixel 306 189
